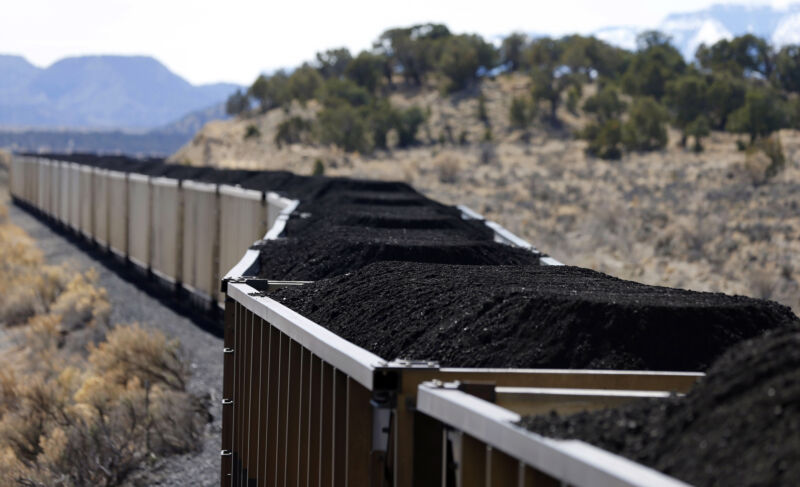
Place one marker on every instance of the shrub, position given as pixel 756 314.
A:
pixel 366 70
pixel 645 129
pixel 408 123
pixel 762 113
pixel 343 126
pixel 66 420
pixel 412 51
pixel 252 132
pixel 382 119
pixel 448 166
pixel 237 103
pixel 548 85
pixel 303 84
pixel 319 168
pixel 687 97
pixel 698 128
pixel 770 151
pixel 787 67
pixel 521 112
pixel 132 351
pixel 462 56
pixel 488 154
pixel 794 113
pixel 82 304
pixel 605 139
pixel 334 62
pixel 652 66
pixel 271 92
pixel 293 130
pixel 726 94
pixel 605 105
pixel 343 91
pixel 604 133
pixel 511 50
pixel 483 116
pixel 573 97
pixel 773 148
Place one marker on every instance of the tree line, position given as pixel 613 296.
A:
pixel 742 85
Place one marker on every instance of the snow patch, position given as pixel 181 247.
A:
pixel 709 33
pixel 624 37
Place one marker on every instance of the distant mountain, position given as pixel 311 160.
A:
pixel 194 121
pixel 99 92
pixel 780 26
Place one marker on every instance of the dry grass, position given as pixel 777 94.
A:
pixel 448 164
pixel 81 403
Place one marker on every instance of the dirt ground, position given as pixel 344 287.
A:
pixel 707 222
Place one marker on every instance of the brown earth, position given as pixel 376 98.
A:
pixel 707 222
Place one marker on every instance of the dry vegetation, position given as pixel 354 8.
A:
pixel 707 221
pixel 81 403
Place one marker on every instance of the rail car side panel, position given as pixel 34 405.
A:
pixel 200 268
pixel 118 212
pixel 31 181
pixel 42 185
pixel 101 205
pixel 166 229
pixel 53 187
pixel 85 199
pixel 63 192
pixel 73 173
pixel 243 220
pixel 33 191
pixel 25 180
pixel 139 220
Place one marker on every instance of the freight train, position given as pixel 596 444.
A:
pixel 302 405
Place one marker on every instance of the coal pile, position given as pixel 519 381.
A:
pixel 530 316
pixel 738 426
pixel 347 224
pixel 327 245
pixel 334 253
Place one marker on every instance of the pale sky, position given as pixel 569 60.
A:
pixel 234 40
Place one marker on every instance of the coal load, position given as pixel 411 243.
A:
pixel 344 225
pixel 530 316
pixel 739 426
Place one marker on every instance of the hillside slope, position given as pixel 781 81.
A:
pixel 701 221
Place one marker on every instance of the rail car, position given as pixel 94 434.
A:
pixel 303 406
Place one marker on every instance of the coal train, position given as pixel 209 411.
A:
pixel 302 405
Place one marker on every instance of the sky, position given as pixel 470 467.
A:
pixel 235 40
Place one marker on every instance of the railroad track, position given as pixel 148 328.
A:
pixel 303 406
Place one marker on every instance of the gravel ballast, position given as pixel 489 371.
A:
pixel 738 426
pixel 530 316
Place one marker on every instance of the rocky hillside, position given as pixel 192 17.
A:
pixel 707 221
